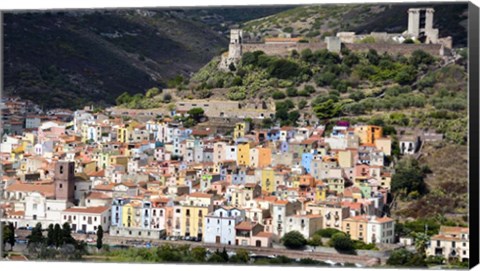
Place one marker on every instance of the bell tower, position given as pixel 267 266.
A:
pixel 64 180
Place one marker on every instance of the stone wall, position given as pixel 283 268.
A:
pixel 394 49
pixel 282 49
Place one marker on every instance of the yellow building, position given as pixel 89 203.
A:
pixel 103 160
pixel 368 133
pixel 193 209
pixel 268 180
pixel 356 226
pixel 119 160
pixel 240 130
pixel 320 191
pixel 345 159
pixel 243 153
pixel 131 215
pixel 384 144
pixel 264 157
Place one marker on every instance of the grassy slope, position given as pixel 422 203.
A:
pixel 66 60
pixel 321 20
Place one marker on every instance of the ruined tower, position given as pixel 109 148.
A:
pixel 64 180
pixel 420 24
pixel 234 49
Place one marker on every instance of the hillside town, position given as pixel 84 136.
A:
pixel 156 179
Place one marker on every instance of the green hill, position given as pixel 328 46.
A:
pixel 318 21
pixel 69 59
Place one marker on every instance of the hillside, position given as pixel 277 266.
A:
pixel 323 20
pixel 69 59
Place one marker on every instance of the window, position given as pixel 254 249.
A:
pixel 60 185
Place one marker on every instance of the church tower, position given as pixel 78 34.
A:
pixel 64 180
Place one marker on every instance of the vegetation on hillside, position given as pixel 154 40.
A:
pixel 319 21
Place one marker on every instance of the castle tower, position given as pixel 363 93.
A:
pixel 429 19
pixel 64 180
pixel 234 50
pixel 420 24
pixel 235 47
pixel 414 22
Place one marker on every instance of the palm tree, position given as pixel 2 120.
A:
pixel 421 242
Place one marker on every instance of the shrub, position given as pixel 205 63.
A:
pixel 294 240
pixel 309 89
pixel 292 92
pixel 327 233
pixel 277 95
pixel 342 242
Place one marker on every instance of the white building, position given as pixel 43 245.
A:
pixel 450 242
pixel 220 225
pixel 307 225
pixel 87 219
pixel 380 230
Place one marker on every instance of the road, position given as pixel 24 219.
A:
pixel 261 251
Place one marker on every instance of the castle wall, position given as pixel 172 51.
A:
pixel 395 49
pixel 282 49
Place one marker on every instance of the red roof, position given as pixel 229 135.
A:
pixel 90 210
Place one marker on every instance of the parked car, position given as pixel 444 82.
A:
pixel 91 232
pixel 22 228
pixel 193 239
pixel 21 241
pixel 187 238
pixel 81 232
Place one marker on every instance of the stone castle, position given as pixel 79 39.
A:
pixel 420 30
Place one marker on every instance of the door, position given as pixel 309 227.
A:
pixel 258 243
pixel 217 239
pixel 84 228
pixel 74 227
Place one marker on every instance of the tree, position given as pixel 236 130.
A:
pixel 196 113
pixel 408 177
pixel 315 241
pixel 277 95
pixel 327 232
pixel 124 98
pixel 294 240
pixel 406 75
pixel 58 236
pixel 199 254
pixel 342 242
pixel 421 242
pixel 36 236
pixel 11 236
pixel 292 92
pixel 67 234
pixel 167 97
pixel 293 116
pixel 50 235
pixel 328 109
pixel 405 258
pixel 420 57
pixel 152 92
pixel 241 256
pixel 99 237
pixel 224 254
pixel 302 103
